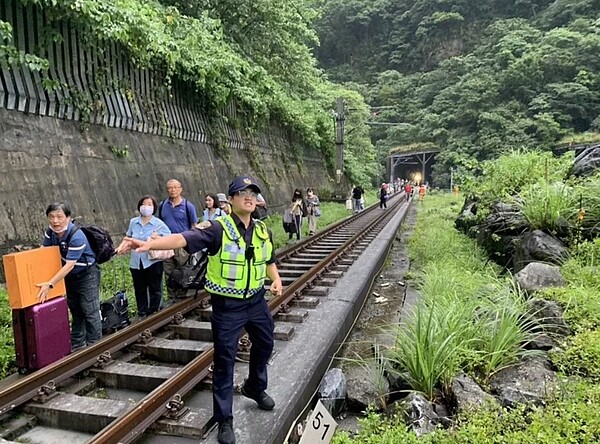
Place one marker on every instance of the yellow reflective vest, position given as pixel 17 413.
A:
pixel 238 271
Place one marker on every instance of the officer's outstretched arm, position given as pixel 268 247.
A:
pixel 276 284
pixel 169 242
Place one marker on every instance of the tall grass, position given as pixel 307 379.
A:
pixel 470 317
pixel 549 206
pixel 516 170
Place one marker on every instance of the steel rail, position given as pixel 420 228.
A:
pixel 27 387
pixel 129 426
pixel 154 405
pixel 315 272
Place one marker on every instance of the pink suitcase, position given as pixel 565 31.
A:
pixel 42 334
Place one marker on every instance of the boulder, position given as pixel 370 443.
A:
pixel 500 248
pixel 529 381
pixel 587 163
pixel 468 394
pixel 419 413
pixel 467 216
pixel 540 342
pixel 537 246
pixel 366 387
pixel 333 390
pixel 505 219
pixel 549 315
pixel 538 276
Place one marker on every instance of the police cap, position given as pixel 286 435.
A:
pixel 241 183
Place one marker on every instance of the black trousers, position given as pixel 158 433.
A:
pixel 229 317
pixel 147 285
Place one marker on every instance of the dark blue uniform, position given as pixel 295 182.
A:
pixel 229 317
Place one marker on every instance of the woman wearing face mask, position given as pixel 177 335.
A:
pixel 146 273
pixel 212 209
pixel 80 272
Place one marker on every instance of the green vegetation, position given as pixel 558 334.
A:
pixel 472 78
pixel 472 319
pixel 567 418
pixel 548 206
pixel 252 54
pixel 535 182
pixel 581 356
pixel 514 171
pixel 10 55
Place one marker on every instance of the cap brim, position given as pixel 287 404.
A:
pixel 252 186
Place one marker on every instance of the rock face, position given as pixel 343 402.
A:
pixel 537 276
pixel 530 380
pixel 538 246
pixel 365 388
pixel 466 218
pixel 333 390
pixel 419 413
pixel 467 393
pixel 59 161
pixel 587 163
pixel 549 315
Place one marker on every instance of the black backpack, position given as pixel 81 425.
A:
pixel 99 239
pixel 115 313
pixel 191 275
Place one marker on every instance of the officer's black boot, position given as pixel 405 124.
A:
pixel 226 435
pixel 264 401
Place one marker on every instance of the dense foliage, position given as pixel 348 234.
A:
pixel 472 320
pixel 252 53
pixel 474 78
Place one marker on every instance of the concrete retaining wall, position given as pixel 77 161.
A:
pixel 103 171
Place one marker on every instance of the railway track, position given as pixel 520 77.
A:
pixel 139 380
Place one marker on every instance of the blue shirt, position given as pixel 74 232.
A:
pixel 140 231
pixel 218 212
pixel 179 218
pixel 77 250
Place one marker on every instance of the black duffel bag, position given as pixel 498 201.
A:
pixel 190 275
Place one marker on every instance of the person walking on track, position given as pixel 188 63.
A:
pixel 241 256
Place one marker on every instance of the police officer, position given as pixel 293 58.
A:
pixel 241 256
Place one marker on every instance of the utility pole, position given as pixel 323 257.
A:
pixel 339 140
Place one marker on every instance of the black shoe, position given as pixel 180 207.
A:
pixel 226 435
pixel 264 401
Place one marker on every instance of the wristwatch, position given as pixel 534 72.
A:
pixel 51 285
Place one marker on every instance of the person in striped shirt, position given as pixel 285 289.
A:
pixel 80 272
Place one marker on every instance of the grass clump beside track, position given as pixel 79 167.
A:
pixel 472 319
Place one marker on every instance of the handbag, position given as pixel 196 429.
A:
pixel 190 275
pixel 317 212
pixel 288 217
pixel 160 255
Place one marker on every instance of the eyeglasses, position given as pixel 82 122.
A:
pixel 247 193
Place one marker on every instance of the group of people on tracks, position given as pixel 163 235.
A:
pixel 241 256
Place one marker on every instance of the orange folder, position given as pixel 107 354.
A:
pixel 25 269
